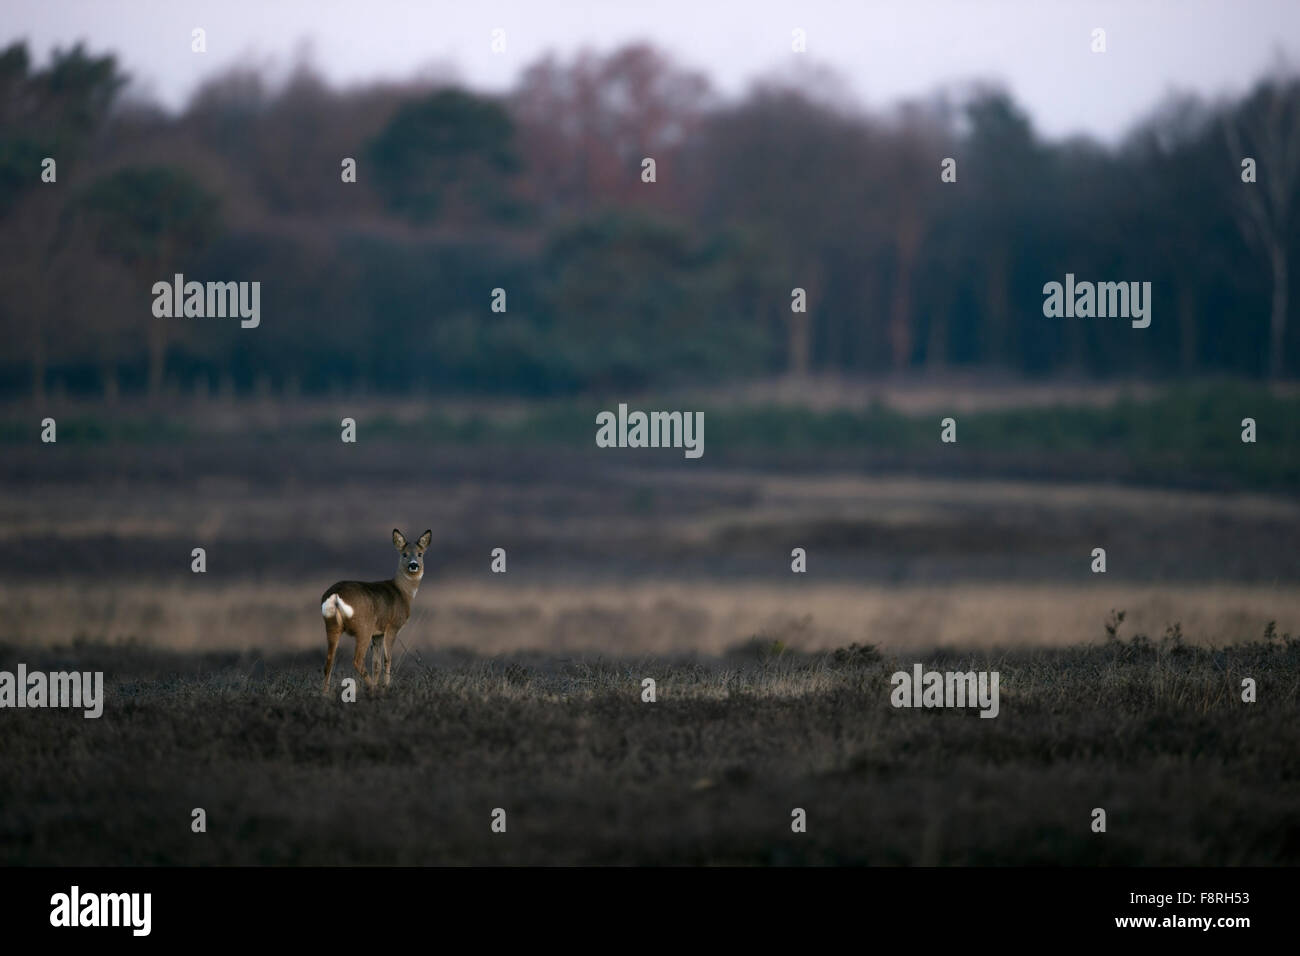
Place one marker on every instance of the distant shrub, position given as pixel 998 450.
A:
pixel 855 655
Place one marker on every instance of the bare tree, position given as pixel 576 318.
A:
pixel 1266 127
pixel 585 125
pixel 908 206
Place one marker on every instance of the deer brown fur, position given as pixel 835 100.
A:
pixel 373 611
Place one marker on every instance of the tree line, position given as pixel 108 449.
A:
pixel 421 237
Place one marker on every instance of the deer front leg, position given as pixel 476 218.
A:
pixel 389 637
pixel 377 659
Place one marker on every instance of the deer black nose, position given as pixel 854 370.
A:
pixel 413 566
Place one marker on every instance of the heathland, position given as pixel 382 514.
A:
pixel 522 690
pixel 1152 731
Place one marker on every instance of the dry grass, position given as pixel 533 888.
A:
pixel 647 618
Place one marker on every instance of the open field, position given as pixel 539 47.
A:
pixel 669 617
pixel 297 515
pixel 609 559
pixel 522 690
pixel 1153 732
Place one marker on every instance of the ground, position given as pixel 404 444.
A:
pixel 1154 732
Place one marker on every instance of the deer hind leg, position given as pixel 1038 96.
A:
pixel 333 630
pixel 359 658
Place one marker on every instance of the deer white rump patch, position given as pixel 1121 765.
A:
pixel 335 605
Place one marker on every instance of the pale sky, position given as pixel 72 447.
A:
pixel 884 49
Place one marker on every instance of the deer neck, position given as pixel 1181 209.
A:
pixel 407 585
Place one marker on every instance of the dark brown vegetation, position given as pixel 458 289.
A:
pixel 1155 732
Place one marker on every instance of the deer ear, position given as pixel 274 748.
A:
pixel 399 540
pixel 424 540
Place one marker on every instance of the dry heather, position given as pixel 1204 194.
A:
pixel 1153 731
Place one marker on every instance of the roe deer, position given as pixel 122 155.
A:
pixel 373 611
